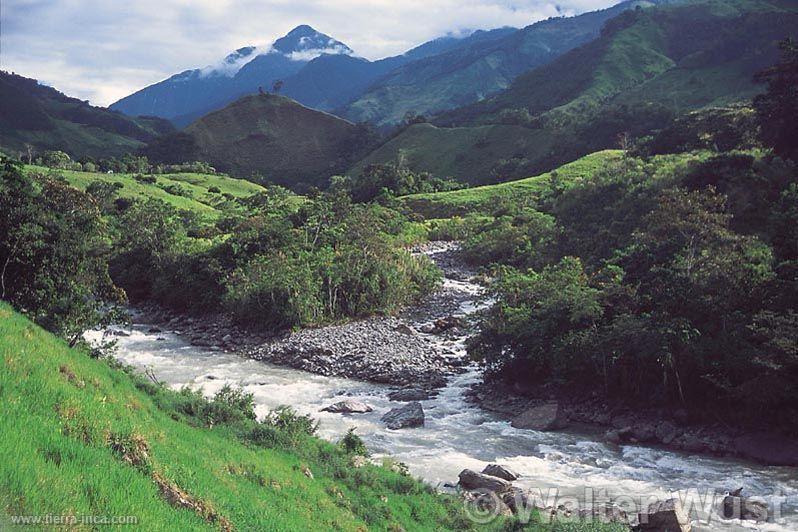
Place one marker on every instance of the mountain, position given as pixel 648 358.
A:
pixel 316 70
pixel 646 67
pixel 484 64
pixel 279 140
pixel 331 81
pixel 40 116
pixel 190 94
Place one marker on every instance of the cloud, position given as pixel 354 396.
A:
pixel 102 50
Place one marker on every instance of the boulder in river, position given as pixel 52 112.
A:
pixel 404 329
pixel 449 322
pixel 735 506
pixel 500 471
pixel 471 480
pixel 664 516
pixel 487 502
pixel 409 415
pixel 545 417
pixel 348 406
pixel 409 394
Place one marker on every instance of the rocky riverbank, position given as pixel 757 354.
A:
pixel 412 350
pixel 419 349
pixel 621 424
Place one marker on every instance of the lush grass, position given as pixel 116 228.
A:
pixel 198 198
pixel 485 198
pixel 61 408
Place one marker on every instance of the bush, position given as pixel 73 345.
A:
pixel 352 444
pixel 147 179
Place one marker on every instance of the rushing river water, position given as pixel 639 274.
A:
pixel 458 435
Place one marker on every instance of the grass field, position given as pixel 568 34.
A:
pixel 197 198
pixel 439 206
pixel 482 199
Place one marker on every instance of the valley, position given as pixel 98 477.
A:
pixel 521 267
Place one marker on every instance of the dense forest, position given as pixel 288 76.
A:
pixel 661 279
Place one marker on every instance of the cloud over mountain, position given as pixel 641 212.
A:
pixel 102 50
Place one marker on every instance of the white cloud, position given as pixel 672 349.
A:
pixel 102 50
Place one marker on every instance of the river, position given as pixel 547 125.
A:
pixel 563 468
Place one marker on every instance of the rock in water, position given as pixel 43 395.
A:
pixel 544 417
pixel 664 516
pixel 349 406
pixel 500 471
pixel 409 394
pixel 471 480
pixel 410 415
pixel 737 507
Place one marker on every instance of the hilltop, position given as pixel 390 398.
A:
pixel 278 139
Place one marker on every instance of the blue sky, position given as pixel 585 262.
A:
pixel 102 50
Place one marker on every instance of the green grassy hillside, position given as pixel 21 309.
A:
pixel 468 153
pixel 485 199
pixel 83 438
pixel 647 66
pixel 40 116
pixel 279 139
pixel 199 190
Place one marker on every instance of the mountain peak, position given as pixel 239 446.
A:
pixel 304 43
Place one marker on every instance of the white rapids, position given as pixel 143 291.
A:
pixel 572 467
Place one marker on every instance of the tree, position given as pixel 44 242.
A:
pixel 56 159
pixel 277 86
pixel 53 251
pixel 777 108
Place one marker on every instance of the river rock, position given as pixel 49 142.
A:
pixel 519 501
pixel 664 516
pixel 449 322
pixel 487 502
pixel 613 436
pixel 768 448
pixel 544 417
pixel 666 432
pixel 471 480
pixel 410 415
pixel 738 507
pixel 643 432
pixel 349 406
pixel 404 329
pixel 500 471
pixel 409 394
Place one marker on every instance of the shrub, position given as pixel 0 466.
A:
pixel 148 179
pixel 351 443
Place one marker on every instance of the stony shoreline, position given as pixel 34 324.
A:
pixel 410 350
pixel 417 350
pixel 620 424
